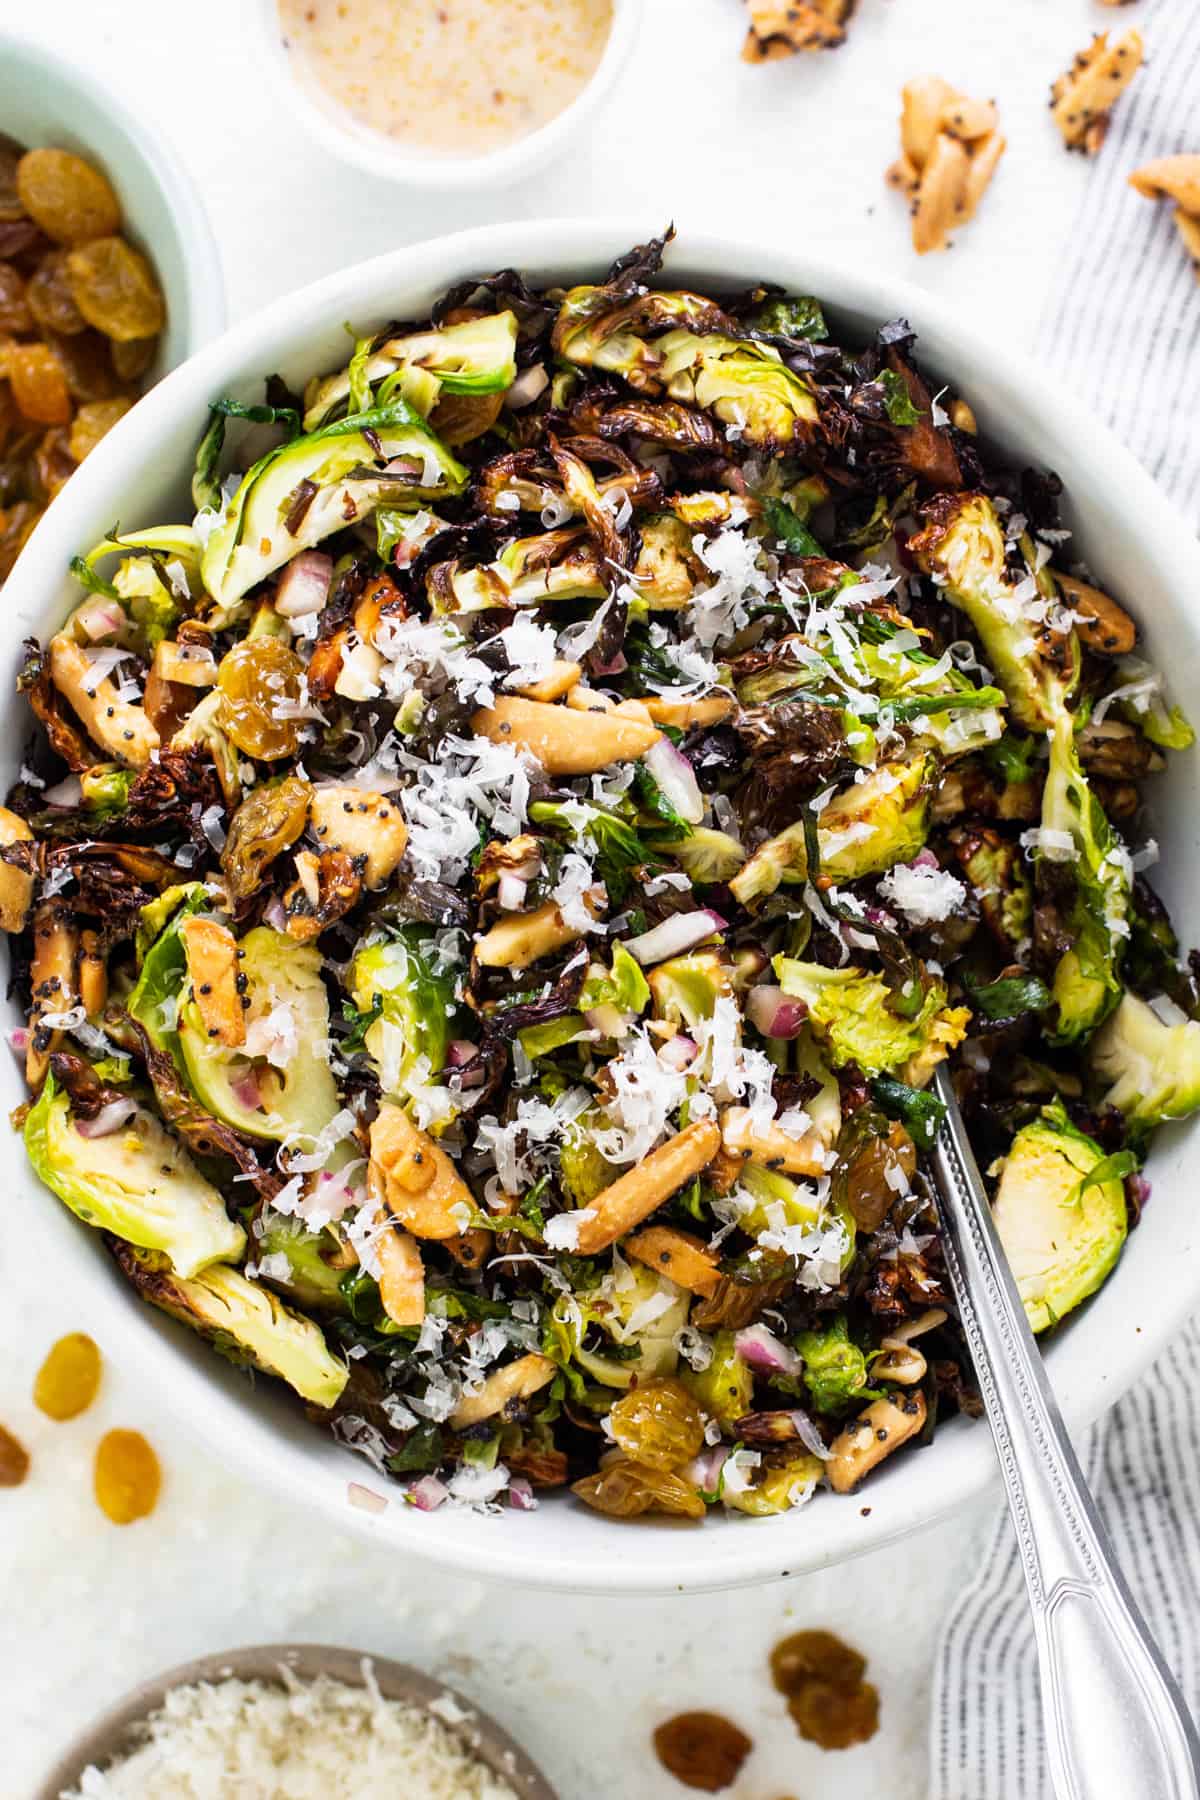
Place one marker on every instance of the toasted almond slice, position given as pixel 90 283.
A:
pixel 1084 97
pixel 1105 626
pixel 903 175
pixel 93 974
pixel 632 1198
pixel 16 885
pixel 770 1145
pixel 565 742
pixel 882 1428
pixel 121 729
pixel 969 119
pixel 515 1381
pixel 402 1276
pixel 984 161
pixel 684 1259
pixel 688 710
pixel 212 962
pixel 362 823
pixel 561 678
pixel 924 102
pixel 191 665
pixel 415 1179
pixel 937 206
pixel 52 980
pixel 1171 178
pixel 523 938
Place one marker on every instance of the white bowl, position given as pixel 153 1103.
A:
pixel 44 100
pixel 372 151
pixel 1135 542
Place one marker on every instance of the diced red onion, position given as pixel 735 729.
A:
pixel 763 1351
pixel 365 1498
pixel 459 1052
pixel 246 1091
pixel 678 1052
pixel 404 465
pixel 18 1038
pixel 924 859
pixel 677 779
pixel 809 1436
pixel 1139 1187
pixel 775 1013
pixel 68 792
pixel 682 931
pixel 704 1471
pixel 100 618
pixel 529 386
pixel 304 585
pixel 616 665
pixel 520 1495
pixel 428 1494
pixel 110 1118
pixel 510 892
pixel 275 916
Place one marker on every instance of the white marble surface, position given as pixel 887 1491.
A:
pixel 796 148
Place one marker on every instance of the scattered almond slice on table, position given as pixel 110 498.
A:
pixel 950 146
pixel 778 30
pixel 1081 101
pixel 1175 178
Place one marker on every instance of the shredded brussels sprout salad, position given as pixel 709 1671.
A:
pixel 492 890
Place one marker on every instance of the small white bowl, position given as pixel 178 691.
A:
pixel 47 101
pixel 372 151
pixel 1133 539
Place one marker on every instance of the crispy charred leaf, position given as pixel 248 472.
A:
pixel 561 996
pixel 1152 963
pixel 412 901
pixel 794 746
pixel 175 793
pixel 637 267
pixel 337 880
pixel 505 290
pixel 1011 997
pixel 99 879
pixel 744 1291
pixel 87 1092
pixel 336 616
pixel 920 1112
pixel 205 1136
pixel 602 411
pixel 65 736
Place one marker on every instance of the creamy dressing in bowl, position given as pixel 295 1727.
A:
pixel 446 77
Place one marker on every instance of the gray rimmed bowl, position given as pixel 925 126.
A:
pixel 116 1731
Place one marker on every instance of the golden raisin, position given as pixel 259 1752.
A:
pixel 133 357
pixel 814 1655
pixel 67 197
pixel 92 422
pixel 658 1423
pixel 623 1489
pixel 702 1750
pixel 836 1716
pixel 87 364
pixel 126 1477
pixel 52 463
pixel 254 678
pixel 10 201
pixel 14 301
pixel 38 383
pixel 116 290
pixel 14 1460
pixel 50 298
pixel 67 1381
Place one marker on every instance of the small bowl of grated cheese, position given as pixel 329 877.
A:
pixel 294 1722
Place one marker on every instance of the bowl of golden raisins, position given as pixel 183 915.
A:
pixel 109 275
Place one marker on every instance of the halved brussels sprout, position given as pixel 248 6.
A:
pixel 557 565
pixel 629 1293
pixel 1151 1070
pixel 136 1182
pixel 725 1389
pixel 409 1039
pixel 304 490
pixel 246 1322
pixel 835 1369
pixel 748 386
pixel 1061 1220
pixel 851 1012
pixel 477 356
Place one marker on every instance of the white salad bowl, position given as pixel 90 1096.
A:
pixel 1137 546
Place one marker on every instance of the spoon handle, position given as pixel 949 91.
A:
pixel 1115 1721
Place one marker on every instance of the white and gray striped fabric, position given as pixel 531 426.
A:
pixel 1123 329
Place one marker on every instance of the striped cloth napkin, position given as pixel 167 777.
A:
pixel 1123 329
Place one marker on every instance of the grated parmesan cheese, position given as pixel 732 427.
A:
pixel 924 895
pixel 319 1740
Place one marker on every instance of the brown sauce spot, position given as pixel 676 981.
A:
pixel 702 1750
pixel 822 1680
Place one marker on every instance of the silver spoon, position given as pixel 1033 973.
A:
pixel 1115 1720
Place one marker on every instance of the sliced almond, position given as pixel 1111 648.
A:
pixel 617 1209
pixel 904 176
pixel 937 205
pixel 1171 178
pixel 1083 98
pixel 867 1440
pixel 523 938
pixel 1105 626
pixel 121 729
pixel 93 974
pixel 53 981
pixel 362 823
pixel 558 681
pixel 402 1276
pixel 414 1178
pixel 923 103
pixel 688 711
pixel 565 742
pixel 682 1258
pixel 969 119
pixel 212 962
pixel 514 1382
pixel 770 1145
pixel 985 159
